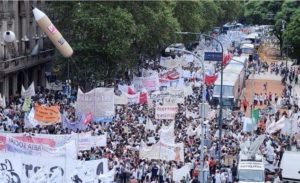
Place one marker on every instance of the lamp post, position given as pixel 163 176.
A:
pixel 202 108
pixel 221 90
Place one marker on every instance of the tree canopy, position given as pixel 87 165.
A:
pixel 109 38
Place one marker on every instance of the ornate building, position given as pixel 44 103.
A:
pixel 28 58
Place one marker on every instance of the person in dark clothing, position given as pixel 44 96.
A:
pixel 234 171
pixel 154 173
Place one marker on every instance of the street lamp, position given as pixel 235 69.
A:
pixel 221 90
pixel 172 49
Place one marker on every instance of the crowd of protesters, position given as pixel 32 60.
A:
pixel 127 130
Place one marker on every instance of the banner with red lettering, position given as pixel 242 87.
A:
pixel 150 83
pixel 165 112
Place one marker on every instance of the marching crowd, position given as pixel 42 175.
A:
pixel 127 131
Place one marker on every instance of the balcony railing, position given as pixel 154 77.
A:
pixel 23 62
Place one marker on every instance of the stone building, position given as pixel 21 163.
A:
pixel 29 57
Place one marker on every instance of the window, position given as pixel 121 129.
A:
pixel 251 176
pixel 227 91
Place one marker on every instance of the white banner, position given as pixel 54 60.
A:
pixel 29 92
pixel 87 171
pixel 99 101
pixel 165 112
pixel 167 133
pixel 170 63
pixel 178 174
pixel 121 100
pixel 162 151
pixel 19 168
pixel 2 101
pixel 150 83
pixel 86 141
pixel 56 86
pixel 133 99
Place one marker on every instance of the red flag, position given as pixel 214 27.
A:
pixel 143 98
pixel 88 118
pixel 226 58
pixel 130 91
pixel 209 80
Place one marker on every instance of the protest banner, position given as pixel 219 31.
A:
pixel 134 98
pixel 26 104
pixel 170 75
pixel 167 134
pixel 165 112
pixel 99 101
pixel 149 152
pixel 169 101
pixel 170 63
pixel 29 92
pixel 180 173
pixel 46 115
pixel 162 151
pixel 2 101
pixel 2 142
pixel 86 171
pixel 56 86
pixel 99 141
pixel 15 145
pixel 29 120
pixel 75 124
pixel 84 142
pixel 171 152
pixel 26 168
pixel 121 100
pixel 150 83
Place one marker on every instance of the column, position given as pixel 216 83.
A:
pixel 43 76
pixel 6 88
pixel 26 80
pixel 15 84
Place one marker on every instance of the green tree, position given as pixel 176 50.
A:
pixel 282 18
pixel 292 34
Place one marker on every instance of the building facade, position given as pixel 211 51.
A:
pixel 27 59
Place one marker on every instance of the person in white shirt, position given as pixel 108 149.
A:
pixel 218 177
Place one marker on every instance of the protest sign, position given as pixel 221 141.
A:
pixel 86 171
pixel 26 104
pixel 149 152
pixel 99 101
pixel 15 145
pixel 183 172
pixel 150 83
pixel 121 100
pixel 134 98
pixel 26 168
pixel 99 141
pixel 162 151
pixel 2 101
pixel 167 134
pixel 29 120
pixel 29 92
pixel 170 63
pixel 165 112
pixel 56 86
pixel 75 124
pixel 46 115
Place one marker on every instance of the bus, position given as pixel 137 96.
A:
pixel 251 170
pixel 234 75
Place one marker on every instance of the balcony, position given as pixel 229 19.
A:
pixel 24 62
